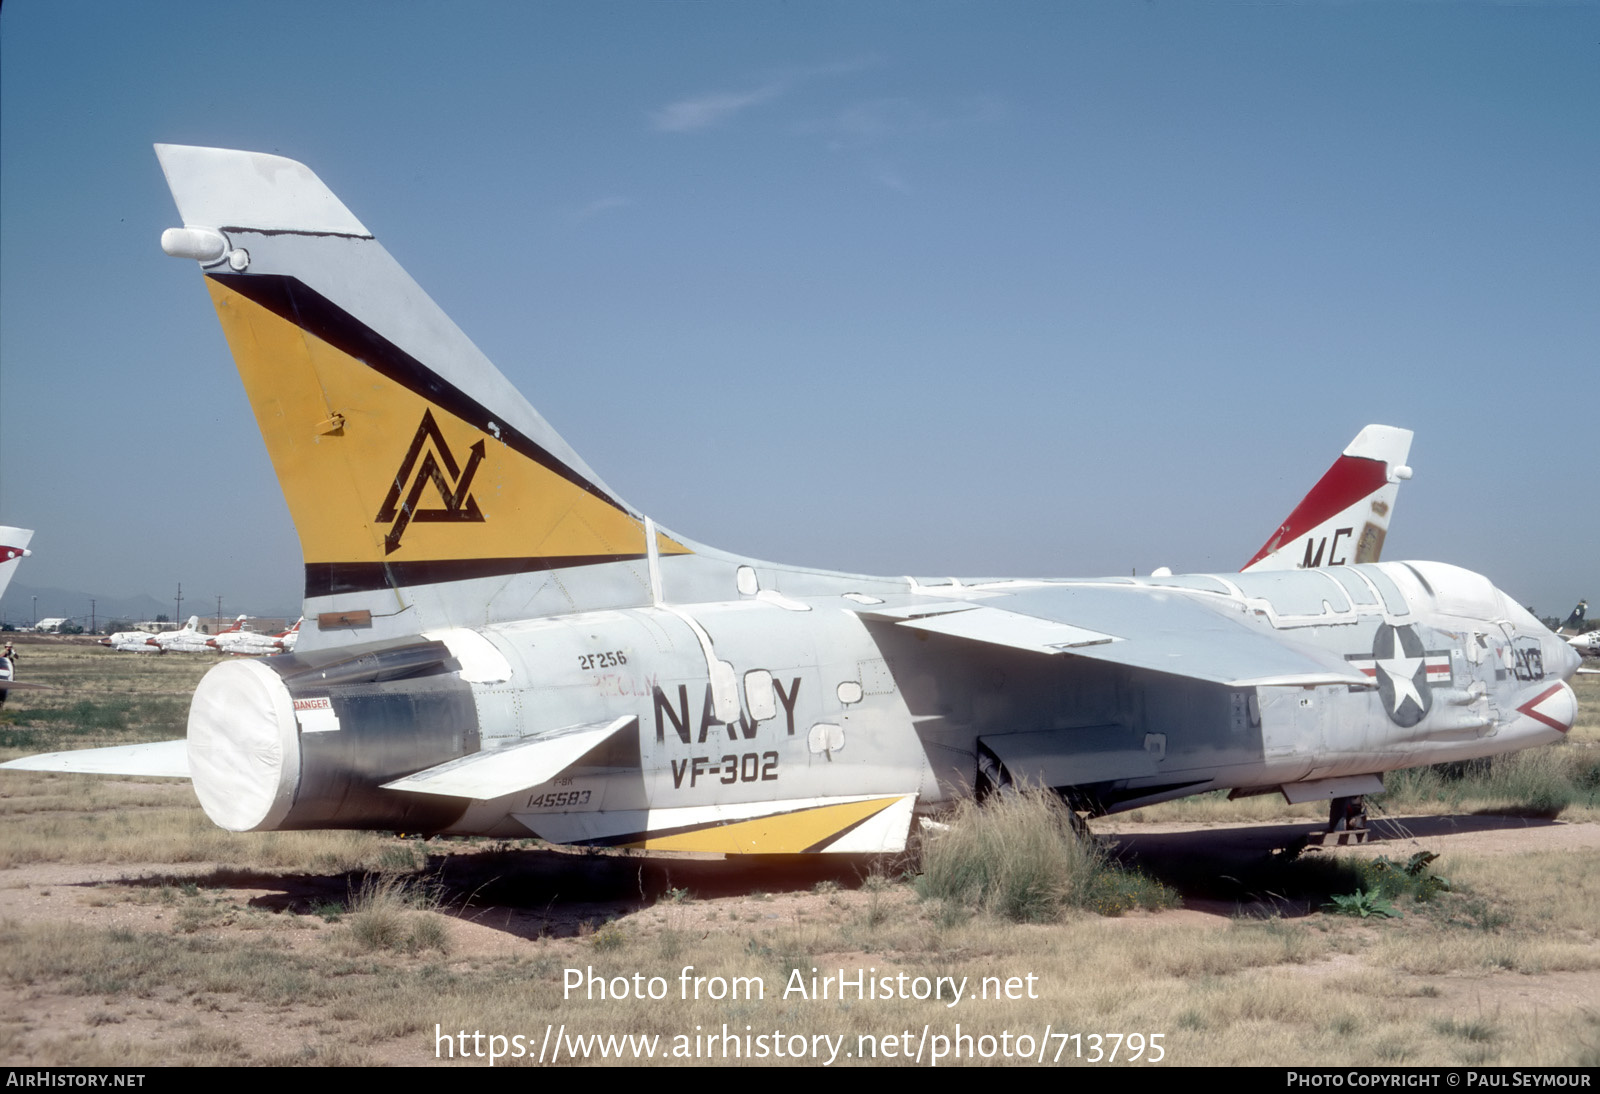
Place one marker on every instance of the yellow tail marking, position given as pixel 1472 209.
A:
pixel 777 834
pixel 340 434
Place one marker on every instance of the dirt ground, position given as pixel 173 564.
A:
pixel 544 904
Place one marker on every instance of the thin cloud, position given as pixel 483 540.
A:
pixel 703 111
pixel 603 205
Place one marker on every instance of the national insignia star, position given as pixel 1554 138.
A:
pixel 1402 673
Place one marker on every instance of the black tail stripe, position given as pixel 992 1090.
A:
pixel 330 578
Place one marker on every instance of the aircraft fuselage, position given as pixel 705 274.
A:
pixel 821 722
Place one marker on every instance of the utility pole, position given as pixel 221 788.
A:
pixel 219 611
pixel 178 618
pixel 92 627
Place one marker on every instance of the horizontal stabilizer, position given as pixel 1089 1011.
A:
pixel 496 773
pixel 162 759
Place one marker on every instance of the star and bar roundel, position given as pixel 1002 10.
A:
pixel 1405 672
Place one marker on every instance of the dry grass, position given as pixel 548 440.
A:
pixel 1017 856
pixel 1313 990
pixel 80 818
pixel 1586 730
pixel 398 914
pixel 99 697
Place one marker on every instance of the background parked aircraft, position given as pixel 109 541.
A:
pixel 1585 642
pixel 246 643
pixel 132 642
pixel 13 549
pixel 186 639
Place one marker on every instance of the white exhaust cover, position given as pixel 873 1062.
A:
pixel 244 747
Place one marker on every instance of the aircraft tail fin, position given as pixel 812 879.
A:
pixel 407 459
pixel 1346 515
pixel 13 549
pixel 1574 622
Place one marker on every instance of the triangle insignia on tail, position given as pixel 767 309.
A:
pixel 412 480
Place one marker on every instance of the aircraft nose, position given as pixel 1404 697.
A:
pixel 1555 706
pixel 1567 660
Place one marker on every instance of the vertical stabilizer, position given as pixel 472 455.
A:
pixel 13 549
pixel 1573 625
pixel 1345 517
pixel 406 458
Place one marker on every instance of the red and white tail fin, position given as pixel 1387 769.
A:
pixel 1346 515
pixel 13 549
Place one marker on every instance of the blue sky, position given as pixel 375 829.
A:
pixel 934 288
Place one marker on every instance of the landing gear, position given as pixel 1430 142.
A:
pixel 1348 814
pixel 993 778
pixel 1347 822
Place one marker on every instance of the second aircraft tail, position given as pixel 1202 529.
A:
pixel 1346 515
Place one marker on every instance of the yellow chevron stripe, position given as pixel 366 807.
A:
pixel 776 834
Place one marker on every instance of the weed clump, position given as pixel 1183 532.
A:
pixel 608 936
pixel 1364 904
pixel 1018 857
pixel 396 914
pixel 1413 878
pixel 1386 881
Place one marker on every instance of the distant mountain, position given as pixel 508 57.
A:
pixel 17 606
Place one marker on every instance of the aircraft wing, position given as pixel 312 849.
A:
pixel 1163 630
